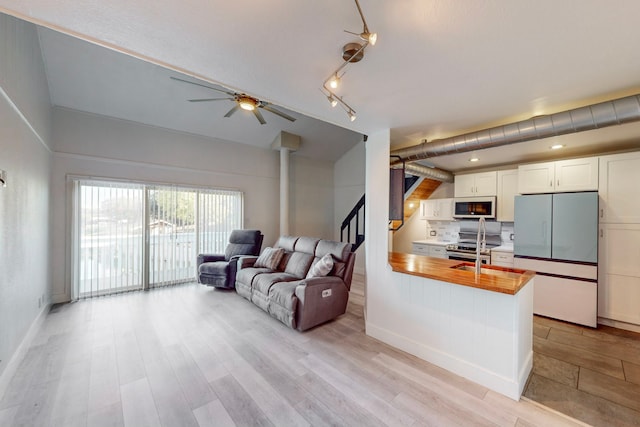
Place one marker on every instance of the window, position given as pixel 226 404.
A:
pixel 131 236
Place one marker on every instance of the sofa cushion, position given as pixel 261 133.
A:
pixel 339 250
pixel 283 302
pixel 321 267
pixel 263 282
pixel 306 245
pixel 246 275
pixel 269 258
pixel 287 243
pixel 298 264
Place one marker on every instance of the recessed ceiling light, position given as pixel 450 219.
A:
pixel 556 146
pixel 474 159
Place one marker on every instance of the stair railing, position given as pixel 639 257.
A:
pixel 354 215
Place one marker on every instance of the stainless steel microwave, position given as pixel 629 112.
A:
pixel 474 207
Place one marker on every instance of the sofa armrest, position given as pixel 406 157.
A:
pixel 202 258
pixel 320 299
pixel 246 261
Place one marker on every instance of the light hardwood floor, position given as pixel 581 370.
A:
pixel 193 356
pixel 590 374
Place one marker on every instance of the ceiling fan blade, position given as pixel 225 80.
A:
pixel 259 117
pixel 279 113
pixel 200 84
pixel 233 110
pixel 210 99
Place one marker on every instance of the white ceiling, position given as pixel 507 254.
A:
pixel 440 68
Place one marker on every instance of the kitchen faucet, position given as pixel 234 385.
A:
pixel 483 226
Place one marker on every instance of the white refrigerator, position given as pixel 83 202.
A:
pixel 556 235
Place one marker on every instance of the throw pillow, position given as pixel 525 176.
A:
pixel 322 267
pixel 269 258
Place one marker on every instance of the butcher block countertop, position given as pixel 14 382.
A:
pixel 503 280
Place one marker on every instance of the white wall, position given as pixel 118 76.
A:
pixel 93 145
pixel 349 186
pixel 24 202
pixel 311 198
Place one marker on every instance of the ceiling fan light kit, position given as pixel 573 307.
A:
pixel 351 53
pixel 242 100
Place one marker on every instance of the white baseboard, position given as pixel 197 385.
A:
pixel 12 366
pixel 511 388
pixel 618 324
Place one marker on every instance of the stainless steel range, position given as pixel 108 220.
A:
pixel 465 248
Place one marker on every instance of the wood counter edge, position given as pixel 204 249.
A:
pixel 441 269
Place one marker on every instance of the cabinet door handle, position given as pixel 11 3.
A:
pixel 601 233
pixel 601 213
pixel 558 183
pixel 550 183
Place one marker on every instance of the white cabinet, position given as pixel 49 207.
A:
pixel 619 245
pixel 436 209
pixel 560 176
pixel 619 272
pixel 619 188
pixel 564 291
pixel 432 250
pixel 507 190
pixel 502 258
pixel 476 184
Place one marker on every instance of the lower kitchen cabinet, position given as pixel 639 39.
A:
pixel 619 273
pixel 432 250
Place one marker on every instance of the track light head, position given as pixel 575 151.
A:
pixel 372 38
pixel 352 115
pixel 334 81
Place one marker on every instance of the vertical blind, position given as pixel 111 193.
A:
pixel 136 236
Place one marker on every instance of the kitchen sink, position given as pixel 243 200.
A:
pixel 502 272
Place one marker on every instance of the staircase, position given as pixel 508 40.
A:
pixel 352 228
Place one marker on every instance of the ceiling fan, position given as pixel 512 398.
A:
pixel 242 100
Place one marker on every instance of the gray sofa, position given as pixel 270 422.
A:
pixel 287 293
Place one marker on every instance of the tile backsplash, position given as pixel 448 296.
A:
pixel 447 231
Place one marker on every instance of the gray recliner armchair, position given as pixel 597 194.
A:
pixel 219 270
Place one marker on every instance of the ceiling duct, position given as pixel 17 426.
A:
pixel 427 172
pixel 609 113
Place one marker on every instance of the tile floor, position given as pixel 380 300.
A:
pixel 590 374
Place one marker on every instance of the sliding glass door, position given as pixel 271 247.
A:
pixel 109 225
pixel 138 236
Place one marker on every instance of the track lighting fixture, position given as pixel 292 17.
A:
pixel 351 53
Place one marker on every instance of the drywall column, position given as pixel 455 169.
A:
pixel 284 191
pixel 286 143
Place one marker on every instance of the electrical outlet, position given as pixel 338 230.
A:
pixel 511 236
pixel 326 293
pixel 432 233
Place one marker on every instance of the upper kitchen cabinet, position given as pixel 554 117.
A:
pixel 436 209
pixel 476 184
pixel 619 191
pixel 558 177
pixel 507 190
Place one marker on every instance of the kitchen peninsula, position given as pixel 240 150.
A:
pixel 477 326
